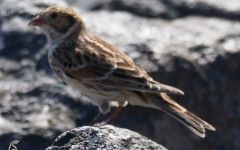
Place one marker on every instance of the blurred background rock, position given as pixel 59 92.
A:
pixel 191 44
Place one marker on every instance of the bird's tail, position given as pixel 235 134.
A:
pixel 170 107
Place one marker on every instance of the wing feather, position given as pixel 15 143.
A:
pixel 100 67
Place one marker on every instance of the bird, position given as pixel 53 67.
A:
pixel 103 73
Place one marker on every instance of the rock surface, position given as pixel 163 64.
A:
pixel 190 44
pixel 104 137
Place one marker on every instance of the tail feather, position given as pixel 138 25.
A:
pixel 205 124
pixel 188 119
pixel 192 123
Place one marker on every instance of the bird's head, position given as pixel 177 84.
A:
pixel 58 22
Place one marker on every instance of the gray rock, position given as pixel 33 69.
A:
pixel 193 45
pixel 173 9
pixel 104 137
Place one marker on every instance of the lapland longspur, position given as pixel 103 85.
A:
pixel 102 72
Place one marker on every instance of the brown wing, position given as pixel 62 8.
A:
pixel 100 63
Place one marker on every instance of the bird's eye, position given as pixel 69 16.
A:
pixel 54 15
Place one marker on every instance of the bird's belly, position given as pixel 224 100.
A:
pixel 94 91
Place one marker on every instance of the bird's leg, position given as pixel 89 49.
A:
pixel 114 114
pixel 96 119
pixel 110 120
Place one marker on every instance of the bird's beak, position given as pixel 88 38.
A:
pixel 37 21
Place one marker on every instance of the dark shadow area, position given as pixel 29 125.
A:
pixel 172 10
pixel 21 45
pixel 27 142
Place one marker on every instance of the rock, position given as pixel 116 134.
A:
pixel 104 137
pixel 173 9
pixel 193 45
